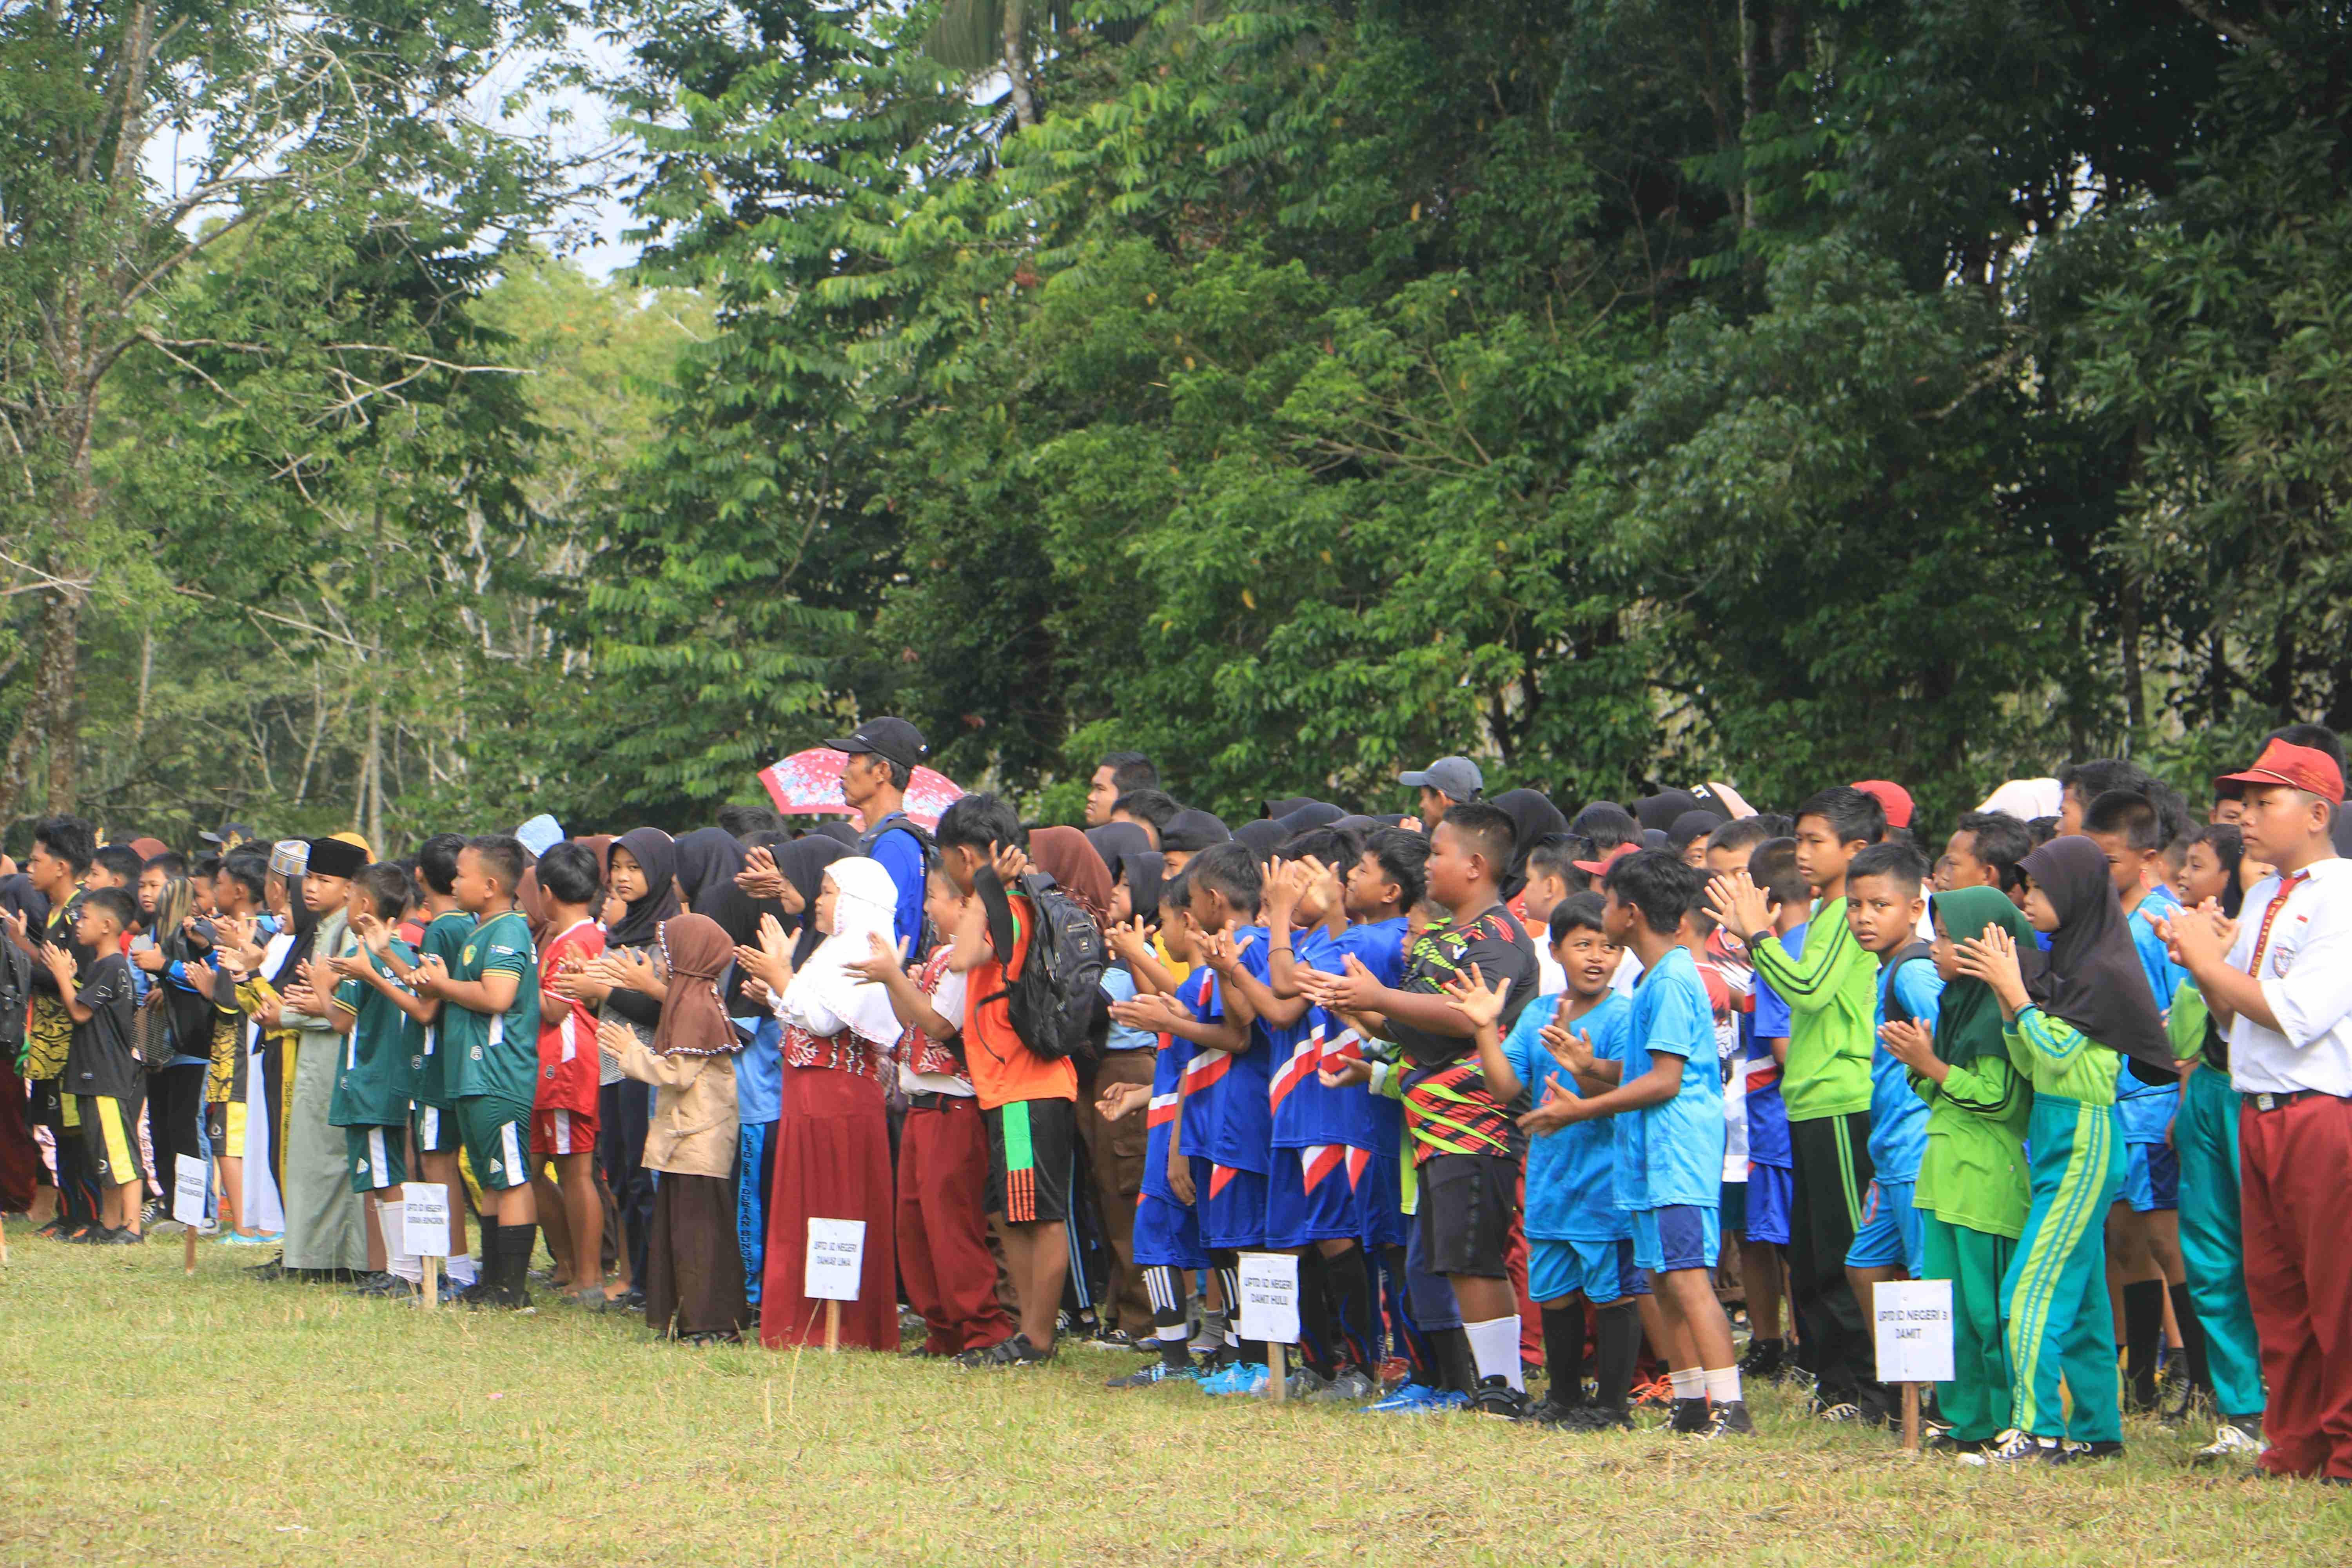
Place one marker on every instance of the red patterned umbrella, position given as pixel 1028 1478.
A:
pixel 808 784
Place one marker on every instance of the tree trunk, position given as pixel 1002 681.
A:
pixel 2128 611
pixel 1016 63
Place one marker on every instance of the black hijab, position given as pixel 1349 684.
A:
pixel 2094 980
pixel 1533 820
pixel 1305 818
pixel 1263 834
pixel 707 860
pixel 655 854
pixel 1146 871
pixel 1115 841
pixel 841 833
pixel 803 862
pixel 303 921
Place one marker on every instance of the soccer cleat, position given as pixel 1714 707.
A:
pixel 2016 1448
pixel 1728 1419
pixel 1416 1398
pixel 1655 1394
pixel 1549 1412
pixel 1497 1397
pixel 1244 1378
pixel 1151 1376
pixel 1350 1388
pixel 123 1237
pixel 1844 1411
pixel 2105 1449
pixel 1597 1418
pixel 2230 1441
pixel 1690 1417
pixel 1765 1359
pixel 1305 1383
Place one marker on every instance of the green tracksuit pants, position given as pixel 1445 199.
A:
pixel 2205 1136
pixel 2060 1326
pixel 1976 1401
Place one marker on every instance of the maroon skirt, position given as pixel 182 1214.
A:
pixel 832 1161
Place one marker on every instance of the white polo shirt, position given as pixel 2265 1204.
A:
pixel 2300 948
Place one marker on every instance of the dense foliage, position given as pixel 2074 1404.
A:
pixel 1619 390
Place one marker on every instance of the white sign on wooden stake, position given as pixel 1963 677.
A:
pixel 424 1219
pixel 1915 1331
pixel 836 1259
pixel 190 1185
pixel 1269 1297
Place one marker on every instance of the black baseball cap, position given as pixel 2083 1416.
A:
pixel 231 835
pixel 892 740
pixel 1193 830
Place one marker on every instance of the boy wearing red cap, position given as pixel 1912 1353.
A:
pixel 2280 987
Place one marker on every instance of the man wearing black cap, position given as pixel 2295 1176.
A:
pixel 881 758
pixel 1447 782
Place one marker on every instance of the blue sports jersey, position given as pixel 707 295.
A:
pixel 1240 1133
pixel 1376 1122
pixel 1572 1173
pixel 2147 1107
pixel 1167 1078
pixel 1898 1118
pixel 1305 1114
pixel 1205 1071
pixel 1672 1153
pixel 1768 1114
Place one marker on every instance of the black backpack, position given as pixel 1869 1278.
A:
pixel 1055 1002
pixel 16 998
pixel 1895 1011
pixel 920 949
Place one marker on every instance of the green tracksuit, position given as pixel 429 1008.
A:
pixel 2205 1136
pixel 2059 1322
pixel 1973 1196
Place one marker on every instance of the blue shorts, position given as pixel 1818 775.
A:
pixel 1771 1191
pixel 1680 1236
pixel 1600 1271
pixel 1311 1197
pixel 1889 1234
pixel 1168 1236
pixel 1231 1206
pixel 2152 1178
pixel 1380 1219
pixel 1430 1295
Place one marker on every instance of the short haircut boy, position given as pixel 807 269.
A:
pixel 119 861
pixel 1773 868
pixel 170 862
pixel 2126 815
pixel 979 823
pixel 69 838
pixel 1231 871
pixel 386 886
pixel 1605 825
pixel 1656 883
pixel 1404 858
pixel 1338 846
pixel 501 855
pixel 114 901
pixel 2102 775
pixel 436 862
pixel 1486 830
pixel 250 872
pixel 1740 833
pixel 1998 840
pixel 1852 815
pixel 1578 912
pixel 568 873
pixel 740 822
pixel 1905 866
pixel 1153 805
pixel 1556 855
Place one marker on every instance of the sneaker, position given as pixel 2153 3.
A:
pixel 124 1237
pixel 1152 1376
pixel 1654 1396
pixel 1014 1352
pixel 86 1235
pixel 1765 1359
pixel 1212 1337
pixel 1244 1378
pixel 2231 1440
pixel 2016 1448
pixel 1350 1388
pixel 1305 1383
pixel 240 1238
pixel 208 1227
pixel 1597 1418
pixel 1726 1419
pixel 52 1230
pixel 151 1211
pixel 1690 1417
pixel 1549 1412
pixel 2102 1449
pixel 1844 1411
pixel 1415 1398
pixel 377 1284
pixel 1497 1397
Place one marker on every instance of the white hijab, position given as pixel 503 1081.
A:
pixel 825 997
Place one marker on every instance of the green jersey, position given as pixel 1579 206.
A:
pixel 373 1082
pixel 495 1055
pixel 444 939
pixel 1831 989
pixel 2059 1059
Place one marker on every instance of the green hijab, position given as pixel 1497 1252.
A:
pixel 1968 1022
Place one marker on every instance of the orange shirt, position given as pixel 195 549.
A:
pixel 1004 1069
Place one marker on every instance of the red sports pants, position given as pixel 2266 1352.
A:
pixel 2296 1167
pixel 943 1257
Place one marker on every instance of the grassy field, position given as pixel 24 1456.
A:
pixel 152 1418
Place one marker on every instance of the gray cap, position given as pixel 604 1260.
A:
pixel 1455 778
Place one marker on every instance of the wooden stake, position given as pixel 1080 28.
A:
pixel 1276 1379
pixel 431 1281
pixel 833 1325
pixel 188 1254
pixel 1911 1418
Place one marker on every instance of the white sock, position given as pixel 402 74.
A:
pixel 1691 1384
pixel 1494 1346
pixel 1722 1384
pixel 1173 1332
pixel 398 1263
pixel 461 1269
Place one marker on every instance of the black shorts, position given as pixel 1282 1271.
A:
pixel 1466 1204
pixel 47 1106
pixel 1031 1148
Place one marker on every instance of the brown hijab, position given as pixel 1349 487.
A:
pixel 693 1022
pixel 1064 854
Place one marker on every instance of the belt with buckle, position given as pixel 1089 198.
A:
pixel 929 1100
pixel 2280 1101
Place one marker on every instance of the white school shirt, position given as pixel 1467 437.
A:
pixel 2305 966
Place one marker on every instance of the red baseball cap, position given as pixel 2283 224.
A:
pixel 2305 768
pixel 1893 797
pixel 1600 868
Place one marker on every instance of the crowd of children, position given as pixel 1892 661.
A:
pixel 1524 1093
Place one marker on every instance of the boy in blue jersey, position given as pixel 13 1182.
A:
pixel 1166 1236
pixel 1579 1242
pixel 1227 1129
pixel 1883 903
pixel 1666 1101
pixel 1771 864
pixel 2144 1258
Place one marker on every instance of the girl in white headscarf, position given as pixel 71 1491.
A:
pixel 833 1132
